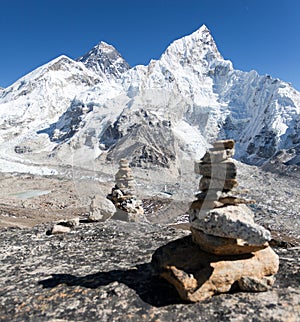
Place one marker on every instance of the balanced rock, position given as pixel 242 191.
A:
pixel 124 178
pixel 207 183
pixel 224 145
pixel 221 170
pixel 223 246
pixel 198 275
pixel 216 155
pixel 233 222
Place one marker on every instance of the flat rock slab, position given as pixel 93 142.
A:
pixel 224 144
pixel 232 222
pixel 198 275
pixel 222 170
pixel 215 156
pixel 223 246
pixel 217 184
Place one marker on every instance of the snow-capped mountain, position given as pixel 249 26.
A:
pixel 99 108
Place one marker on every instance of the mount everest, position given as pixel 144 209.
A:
pixel 97 109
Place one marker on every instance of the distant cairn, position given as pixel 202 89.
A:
pixel 123 195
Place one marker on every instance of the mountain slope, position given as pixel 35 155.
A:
pixel 95 108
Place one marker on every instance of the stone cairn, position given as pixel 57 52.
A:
pixel 123 195
pixel 227 249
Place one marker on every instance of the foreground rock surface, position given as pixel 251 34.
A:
pixel 102 272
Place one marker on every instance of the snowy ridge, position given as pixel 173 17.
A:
pixel 99 108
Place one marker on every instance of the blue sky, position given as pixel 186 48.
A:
pixel 254 34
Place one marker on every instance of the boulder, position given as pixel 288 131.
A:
pixel 198 275
pixel 136 215
pixel 253 284
pixel 101 209
pixel 59 229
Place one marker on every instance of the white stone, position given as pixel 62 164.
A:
pixel 101 209
pixel 232 222
pixel 60 229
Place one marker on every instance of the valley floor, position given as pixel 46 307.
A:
pixel 27 200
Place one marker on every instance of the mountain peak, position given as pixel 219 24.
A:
pixel 202 34
pixel 105 60
pixel 203 28
pixel 198 48
pixel 105 47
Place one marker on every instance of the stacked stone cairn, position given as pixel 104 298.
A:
pixel 227 249
pixel 123 195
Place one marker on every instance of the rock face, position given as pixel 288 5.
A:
pixel 128 207
pixel 227 248
pixel 158 114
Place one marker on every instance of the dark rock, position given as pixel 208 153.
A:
pixel 217 184
pixel 223 170
pixel 223 144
